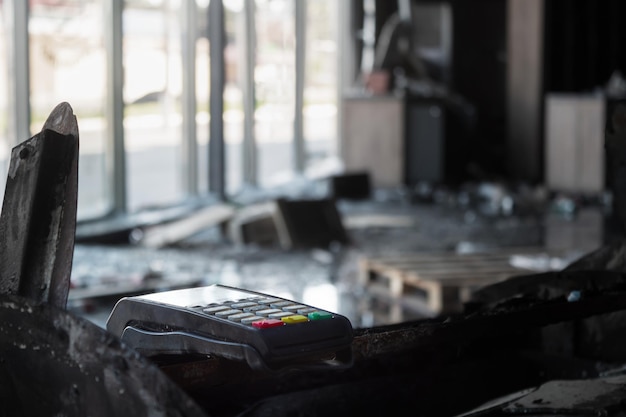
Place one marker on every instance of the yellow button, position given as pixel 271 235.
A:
pixel 294 319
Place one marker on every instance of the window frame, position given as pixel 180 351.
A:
pixel 115 154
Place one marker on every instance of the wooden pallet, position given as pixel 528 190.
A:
pixel 442 280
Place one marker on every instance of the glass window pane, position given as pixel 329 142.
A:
pixel 4 96
pixel 233 93
pixel 321 87
pixel 274 77
pixel 152 94
pixel 68 63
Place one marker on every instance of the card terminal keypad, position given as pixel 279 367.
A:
pixel 250 310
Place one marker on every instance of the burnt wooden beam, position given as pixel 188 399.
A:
pixel 38 220
pixel 398 345
pixel 476 356
pixel 65 365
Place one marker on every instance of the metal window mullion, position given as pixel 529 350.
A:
pixel 217 40
pixel 300 58
pixel 189 103
pixel 19 67
pixel 115 149
pixel 346 63
pixel 249 96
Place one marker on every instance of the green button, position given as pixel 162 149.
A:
pixel 320 315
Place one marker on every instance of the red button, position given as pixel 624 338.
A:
pixel 267 323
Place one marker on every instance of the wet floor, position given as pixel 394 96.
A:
pixel 329 278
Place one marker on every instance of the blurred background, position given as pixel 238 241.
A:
pixel 488 109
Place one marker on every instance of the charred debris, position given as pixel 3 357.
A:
pixel 535 344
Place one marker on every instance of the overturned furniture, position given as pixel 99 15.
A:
pixel 289 223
